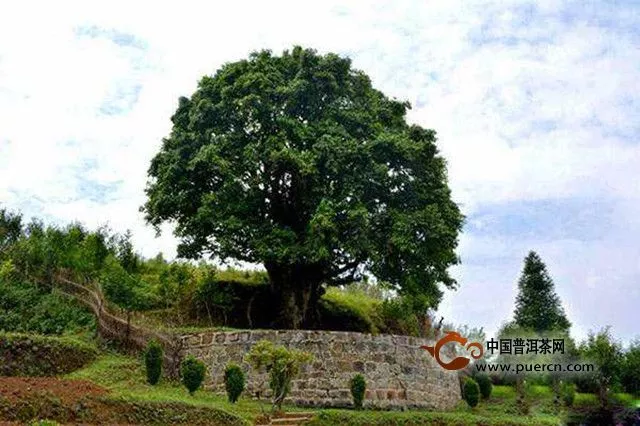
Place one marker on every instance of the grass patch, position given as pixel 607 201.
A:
pixel 585 400
pixel 503 403
pixel 124 377
pixel 415 418
pixel 626 399
pixel 503 392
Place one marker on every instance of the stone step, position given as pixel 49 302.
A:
pixel 283 421
pixel 298 414
pixel 292 419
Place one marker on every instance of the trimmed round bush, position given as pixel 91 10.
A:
pixel 192 372
pixel 358 388
pixel 471 392
pixel 484 382
pixel 153 362
pixel 233 382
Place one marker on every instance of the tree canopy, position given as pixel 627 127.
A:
pixel 10 229
pixel 538 307
pixel 298 163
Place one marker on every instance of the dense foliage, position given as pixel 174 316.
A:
pixel 33 355
pixel 537 305
pixel 175 294
pixel 282 365
pixel 607 355
pixel 28 308
pixel 512 331
pixel 192 372
pixel 233 382
pixel 153 362
pixel 296 162
pixel 630 375
pixel 471 392
pixel 567 393
pixel 358 387
pixel 10 230
pixel 484 382
pixel 184 294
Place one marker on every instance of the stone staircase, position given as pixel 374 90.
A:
pixel 291 419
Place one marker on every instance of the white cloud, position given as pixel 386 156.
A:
pixel 530 103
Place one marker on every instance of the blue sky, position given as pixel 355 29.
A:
pixel 536 106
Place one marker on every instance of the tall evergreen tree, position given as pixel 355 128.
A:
pixel 537 305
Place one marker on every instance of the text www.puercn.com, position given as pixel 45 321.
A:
pixel 534 368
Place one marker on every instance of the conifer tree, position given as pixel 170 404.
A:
pixel 537 305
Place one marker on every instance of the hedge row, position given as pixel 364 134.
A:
pixel 33 355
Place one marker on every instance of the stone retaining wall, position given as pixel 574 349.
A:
pixel 398 373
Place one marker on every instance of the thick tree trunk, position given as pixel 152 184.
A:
pixel 298 289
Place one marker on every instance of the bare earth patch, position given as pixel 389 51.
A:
pixel 77 401
pixel 68 391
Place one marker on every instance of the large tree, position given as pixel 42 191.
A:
pixel 537 305
pixel 298 163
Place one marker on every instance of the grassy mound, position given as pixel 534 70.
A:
pixel 34 355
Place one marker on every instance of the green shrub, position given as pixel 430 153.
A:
pixel 214 298
pixel 399 317
pixel 192 372
pixel 471 392
pixel 8 271
pixel 358 388
pixel 233 381
pixel 153 362
pixel 630 376
pixel 606 353
pixel 33 355
pixel 567 393
pixel 484 382
pixel 486 387
pixel 126 290
pixel 28 308
pixel 281 363
pixel 587 383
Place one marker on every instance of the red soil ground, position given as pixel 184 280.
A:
pixel 69 391
pixel 80 402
